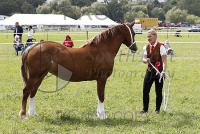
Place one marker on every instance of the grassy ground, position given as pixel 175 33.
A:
pixel 73 109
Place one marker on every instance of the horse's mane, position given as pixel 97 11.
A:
pixel 106 35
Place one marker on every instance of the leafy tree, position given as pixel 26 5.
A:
pixel 96 8
pixel 36 3
pixel 6 7
pixel 141 2
pixel 158 13
pixel 9 7
pixel 140 8
pixel 176 15
pixel 115 11
pixel 72 12
pixel 152 5
pixel 192 19
pixel 130 16
pixel 192 6
pixel 169 5
pixel 27 8
pixel 60 7
pixel 86 10
pixel 44 9
pixel 82 3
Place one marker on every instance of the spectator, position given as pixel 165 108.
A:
pixel 168 48
pixel 18 30
pixel 30 32
pixel 30 40
pixel 18 45
pixel 68 42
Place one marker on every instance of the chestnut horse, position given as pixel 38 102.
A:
pixel 92 61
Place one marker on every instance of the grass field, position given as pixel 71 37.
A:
pixel 73 109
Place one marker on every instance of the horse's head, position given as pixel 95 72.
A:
pixel 130 37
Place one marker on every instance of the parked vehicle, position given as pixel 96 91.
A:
pixel 194 29
pixel 137 28
pixel 147 23
pixel 184 24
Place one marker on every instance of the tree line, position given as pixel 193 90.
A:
pixel 118 10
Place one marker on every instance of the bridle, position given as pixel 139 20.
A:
pixel 132 43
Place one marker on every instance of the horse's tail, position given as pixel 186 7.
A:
pixel 24 67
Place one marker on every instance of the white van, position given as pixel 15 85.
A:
pixel 137 28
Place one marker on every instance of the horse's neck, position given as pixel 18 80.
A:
pixel 112 45
pixel 115 43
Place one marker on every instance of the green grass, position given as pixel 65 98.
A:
pixel 73 109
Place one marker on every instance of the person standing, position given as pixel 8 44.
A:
pixel 154 53
pixel 30 33
pixel 18 30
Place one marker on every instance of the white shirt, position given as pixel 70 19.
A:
pixel 162 49
pixel 16 30
pixel 30 33
pixel 167 46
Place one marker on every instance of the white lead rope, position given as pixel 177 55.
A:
pixel 166 96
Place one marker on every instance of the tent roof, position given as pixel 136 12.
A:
pixel 52 19
pixel 96 20
pixel 39 19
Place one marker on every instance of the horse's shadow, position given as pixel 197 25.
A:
pixel 112 122
pixel 141 120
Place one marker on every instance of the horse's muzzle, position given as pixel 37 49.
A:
pixel 133 47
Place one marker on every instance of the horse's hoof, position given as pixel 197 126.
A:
pixel 24 117
pixel 102 115
pixel 32 113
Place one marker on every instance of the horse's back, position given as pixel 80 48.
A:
pixel 48 57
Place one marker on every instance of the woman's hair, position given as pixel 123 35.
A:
pixel 67 36
pixel 152 31
pixel 16 36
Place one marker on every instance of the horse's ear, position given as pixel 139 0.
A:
pixel 132 24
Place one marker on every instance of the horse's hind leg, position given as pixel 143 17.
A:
pixel 31 110
pixel 30 89
pixel 26 92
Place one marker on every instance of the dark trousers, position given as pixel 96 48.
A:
pixel 19 49
pixel 151 77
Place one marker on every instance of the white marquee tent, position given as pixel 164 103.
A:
pixel 39 19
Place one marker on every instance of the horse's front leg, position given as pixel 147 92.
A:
pixel 100 91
